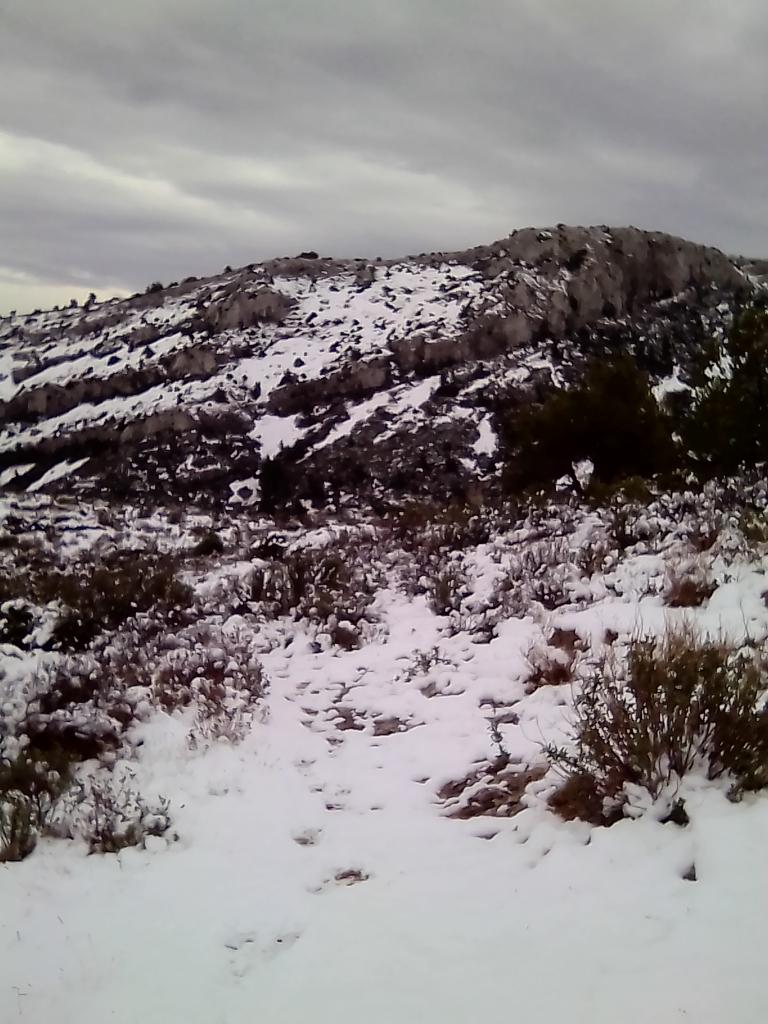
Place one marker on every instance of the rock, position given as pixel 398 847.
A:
pixel 243 309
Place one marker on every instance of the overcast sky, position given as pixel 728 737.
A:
pixel 153 139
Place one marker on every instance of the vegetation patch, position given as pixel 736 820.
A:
pixel 96 595
pixel 676 704
pixel 611 418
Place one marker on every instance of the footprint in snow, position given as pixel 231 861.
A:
pixel 309 837
pixel 346 878
pixel 246 951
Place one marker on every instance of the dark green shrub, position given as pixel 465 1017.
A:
pixel 727 428
pixel 16 622
pixel 209 544
pixel 676 703
pixel 611 417
pixel 276 482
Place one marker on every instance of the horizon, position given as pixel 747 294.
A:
pixel 119 293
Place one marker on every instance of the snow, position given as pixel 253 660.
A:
pixel 10 474
pixel 276 432
pixel 7 385
pixel 316 876
pixel 57 472
pixel 670 385
pixel 487 442
pixel 334 318
pixel 356 414
pixel 245 492
pixel 87 365
pixel 123 410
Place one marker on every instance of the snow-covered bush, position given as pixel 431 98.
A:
pixel 107 812
pixel 97 595
pixel 446 588
pixel 83 707
pixel 84 704
pixel 549 666
pixel 30 785
pixel 214 670
pixel 543 572
pixel 314 583
pixel 675 704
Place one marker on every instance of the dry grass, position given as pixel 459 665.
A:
pixel 689 588
pixel 550 666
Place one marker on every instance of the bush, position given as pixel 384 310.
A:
pixel 30 784
pixel 543 573
pixel 550 666
pixel 428 529
pixel 17 620
pixel 315 583
pixel 110 815
pixel 99 595
pixel 688 589
pixel 727 428
pixel 611 418
pixel 79 707
pixel 18 827
pixel 677 703
pixel 209 544
pixel 214 670
pixel 446 588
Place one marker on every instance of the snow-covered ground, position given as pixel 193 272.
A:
pixel 314 870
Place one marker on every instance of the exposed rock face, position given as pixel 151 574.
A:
pixel 381 373
pixel 53 399
pixel 353 380
pixel 241 309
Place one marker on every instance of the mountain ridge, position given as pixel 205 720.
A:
pixel 367 375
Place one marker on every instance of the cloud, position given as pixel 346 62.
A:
pixel 165 138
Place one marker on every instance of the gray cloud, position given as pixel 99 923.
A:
pixel 170 137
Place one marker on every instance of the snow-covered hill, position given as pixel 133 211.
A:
pixel 291 693
pixel 352 367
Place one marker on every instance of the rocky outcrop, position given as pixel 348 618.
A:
pixel 53 399
pixel 241 309
pixel 625 263
pixel 354 380
pixel 208 420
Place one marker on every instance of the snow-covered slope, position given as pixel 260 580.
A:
pixel 276 759
pixel 344 363
pixel 362 850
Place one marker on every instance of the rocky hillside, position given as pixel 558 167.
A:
pixel 262 759
pixel 341 376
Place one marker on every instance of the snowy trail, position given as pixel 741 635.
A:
pixel 316 876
